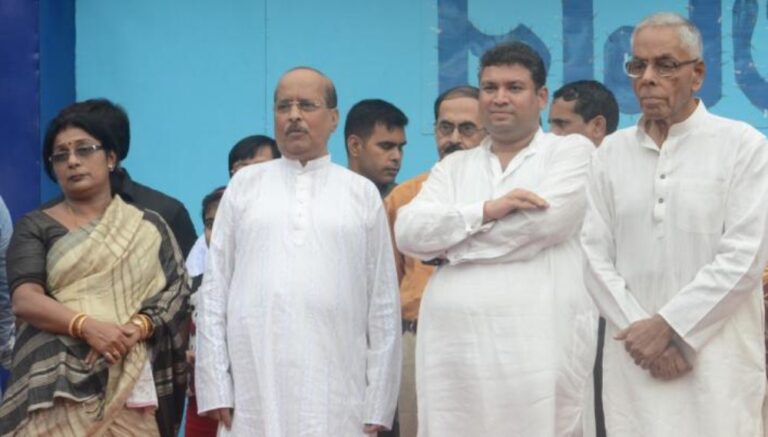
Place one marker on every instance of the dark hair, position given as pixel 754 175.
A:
pixel 248 146
pixel 113 115
pixel 98 125
pixel 331 100
pixel 454 93
pixel 211 199
pixel 516 53
pixel 592 99
pixel 363 117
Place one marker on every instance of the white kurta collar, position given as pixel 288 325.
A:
pixel 312 165
pixel 531 149
pixel 697 117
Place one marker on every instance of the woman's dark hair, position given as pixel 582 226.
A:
pixel 211 199
pixel 79 116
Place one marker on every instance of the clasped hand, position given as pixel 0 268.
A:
pixel 110 340
pixel 649 343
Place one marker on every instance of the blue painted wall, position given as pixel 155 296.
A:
pixel 37 77
pixel 195 75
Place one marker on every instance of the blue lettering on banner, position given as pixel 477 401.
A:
pixel 748 79
pixel 459 37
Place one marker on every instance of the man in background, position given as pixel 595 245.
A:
pixel 588 108
pixel 374 134
pixel 584 107
pixel 250 150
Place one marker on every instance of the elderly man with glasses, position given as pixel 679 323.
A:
pixel 675 243
pixel 298 328
pixel 457 127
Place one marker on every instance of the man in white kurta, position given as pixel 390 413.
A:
pixel 674 239
pixel 299 325
pixel 506 329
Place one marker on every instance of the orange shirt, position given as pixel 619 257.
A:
pixel 411 273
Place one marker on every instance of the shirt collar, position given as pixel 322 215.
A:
pixel 531 149
pixel 697 117
pixel 315 164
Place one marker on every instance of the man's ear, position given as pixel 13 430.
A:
pixel 597 126
pixel 354 144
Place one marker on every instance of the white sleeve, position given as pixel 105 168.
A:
pixel 432 222
pixel 603 281
pixel 523 234
pixel 384 329
pixel 214 384
pixel 696 312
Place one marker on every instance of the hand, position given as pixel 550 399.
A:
pixel 223 415
pixel 670 365
pixel 516 199
pixel 133 333
pixel 373 429
pixel 106 339
pixel 645 340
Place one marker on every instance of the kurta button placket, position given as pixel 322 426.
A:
pixel 300 220
pixel 661 192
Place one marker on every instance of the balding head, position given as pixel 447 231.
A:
pixel 305 113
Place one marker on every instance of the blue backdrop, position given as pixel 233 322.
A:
pixel 197 75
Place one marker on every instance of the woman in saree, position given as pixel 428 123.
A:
pixel 100 295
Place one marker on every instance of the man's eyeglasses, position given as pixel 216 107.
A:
pixel 304 105
pixel 81 151
pixel 664 67
pixel 466 129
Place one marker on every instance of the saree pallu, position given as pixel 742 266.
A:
pixel 111 269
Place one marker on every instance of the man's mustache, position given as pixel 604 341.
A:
pixel 453 148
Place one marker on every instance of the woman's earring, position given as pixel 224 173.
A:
pixel 110 167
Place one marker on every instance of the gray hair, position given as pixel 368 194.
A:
pixel 689 34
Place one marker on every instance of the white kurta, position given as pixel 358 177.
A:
pixel 506 330
pixel 299 320
pixel 680 231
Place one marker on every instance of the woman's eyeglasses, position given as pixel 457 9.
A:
pixel 81 151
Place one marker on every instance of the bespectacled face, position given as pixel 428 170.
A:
pixel 79 163
pixel 303 122
pixel 458 125
pixel 510 104
pixel 667 98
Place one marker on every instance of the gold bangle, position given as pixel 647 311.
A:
pixel 144 323
pixel 72 323
pixel 79 326
pixel 148 322
pixel 136 321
